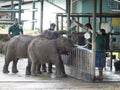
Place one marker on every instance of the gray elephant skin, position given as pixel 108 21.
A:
pixel 16 48
pixel 48 51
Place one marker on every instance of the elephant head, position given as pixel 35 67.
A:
pixel 64 45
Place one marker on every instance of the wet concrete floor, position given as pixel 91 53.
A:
pixel 45 81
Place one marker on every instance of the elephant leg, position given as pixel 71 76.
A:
pixel 60 71
pixel 49 67
pixel 14 66
pixel 28 68
pixel 44 67
pixel 38 71
pixel 33 68
pixel 6 65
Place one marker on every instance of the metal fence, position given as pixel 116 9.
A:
pixel 78 63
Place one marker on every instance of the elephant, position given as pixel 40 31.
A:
pixel 42 51
pixel 16 48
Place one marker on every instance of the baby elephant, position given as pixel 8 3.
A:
pixel 48 51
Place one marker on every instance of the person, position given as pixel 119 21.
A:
pixel 100 53
pixel 15 29
pixel 72 27
pixel 52 26
pixel 88 27
pixel 49 33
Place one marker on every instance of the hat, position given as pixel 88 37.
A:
pixel 88 25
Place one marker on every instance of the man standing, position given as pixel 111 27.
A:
pixel 88 27
pixel 15 29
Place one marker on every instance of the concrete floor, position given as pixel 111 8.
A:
pixel 45 81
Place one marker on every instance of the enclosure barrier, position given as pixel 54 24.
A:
pixel 78 63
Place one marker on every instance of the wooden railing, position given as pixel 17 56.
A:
pixel 78 63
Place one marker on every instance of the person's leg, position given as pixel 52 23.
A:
pixel 100 72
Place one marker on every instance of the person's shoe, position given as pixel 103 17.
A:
pixel 100 78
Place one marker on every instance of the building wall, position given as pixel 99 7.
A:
pixel 49 15
pixel 86 6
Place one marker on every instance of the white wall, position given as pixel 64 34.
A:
pixel 49 15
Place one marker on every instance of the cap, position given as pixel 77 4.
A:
pixel 52 24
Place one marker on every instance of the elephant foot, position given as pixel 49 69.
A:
pixel 50 72
pixel 34 74
pixel 14 71
pixel 5 71
pixel 27 73
pixel 44 70
pixel 62 76
pixel 39 72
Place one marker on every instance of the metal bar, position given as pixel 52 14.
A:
pixel 31 10
pixel 10 22
pixel 77 26
pixel 41 21
pixel 117 15
pixel 33 15
pixel 55 5
pixel 9 10
pixel 100 13
pixel 5 19
pixel 111 61
pixel 12 7
pixel 20 3
pixel 31 21
pixel 68 4
pixel 61 23
pixel 8 0
pixel 57 25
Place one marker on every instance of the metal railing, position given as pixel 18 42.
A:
pixel 78 63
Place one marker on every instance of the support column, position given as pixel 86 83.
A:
pixel 33 15
pixel 94 39
pixel 20 3
pixel 100 13
pixel 68 6
pixel 12 13
pixel 41 16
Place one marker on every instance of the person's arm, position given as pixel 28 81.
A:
pixel 21 29
pixel 79 24
pixel 9 35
